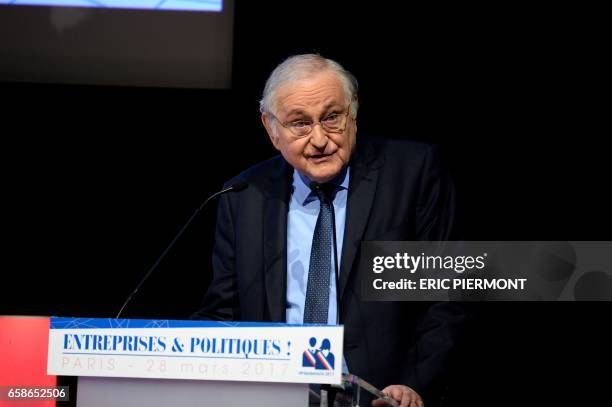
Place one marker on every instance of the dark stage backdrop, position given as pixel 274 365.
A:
pixel 97 180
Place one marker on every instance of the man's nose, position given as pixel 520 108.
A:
pixel 318 138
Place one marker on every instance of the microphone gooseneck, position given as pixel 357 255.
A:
pixel 236 186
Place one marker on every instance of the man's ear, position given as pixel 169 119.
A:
pixel 265 119
pixel 355 99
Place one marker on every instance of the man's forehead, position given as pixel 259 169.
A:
pixel 323 90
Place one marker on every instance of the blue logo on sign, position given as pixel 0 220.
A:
pixel 320 358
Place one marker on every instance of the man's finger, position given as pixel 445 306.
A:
pixel 380 403
pixel 407 399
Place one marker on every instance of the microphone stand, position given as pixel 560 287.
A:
pixel 237 186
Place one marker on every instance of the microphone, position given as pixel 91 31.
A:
pixel 235 187
pixel 318 186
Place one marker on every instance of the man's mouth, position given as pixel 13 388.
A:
pixel 320 156
pixel 317 158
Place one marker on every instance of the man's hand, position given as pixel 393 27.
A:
pixel 403 394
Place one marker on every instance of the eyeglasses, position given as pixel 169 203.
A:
pixel 332 123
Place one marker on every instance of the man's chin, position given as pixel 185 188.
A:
pixel 323 176
pixel 319 171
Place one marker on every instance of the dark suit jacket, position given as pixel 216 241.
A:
pixel 397 191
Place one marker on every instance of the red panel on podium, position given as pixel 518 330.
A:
pixel 23 355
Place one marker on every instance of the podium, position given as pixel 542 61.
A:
pixel 122 392
pixel 196 363
pixel 127 363
pixel 130 392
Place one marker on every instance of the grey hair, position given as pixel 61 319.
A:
pixel 300 66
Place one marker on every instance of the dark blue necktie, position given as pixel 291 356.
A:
pixel 316 307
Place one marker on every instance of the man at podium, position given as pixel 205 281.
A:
pixel 287 247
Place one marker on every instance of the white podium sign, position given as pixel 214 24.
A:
pixel 204 350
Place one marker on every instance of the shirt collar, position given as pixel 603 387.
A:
pixel 301 189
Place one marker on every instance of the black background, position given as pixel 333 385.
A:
pixel 97 180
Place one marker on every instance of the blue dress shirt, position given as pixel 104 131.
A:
pixel 304 209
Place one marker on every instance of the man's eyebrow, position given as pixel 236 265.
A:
pixel 295 112
pixel 332 104
pixel 327 106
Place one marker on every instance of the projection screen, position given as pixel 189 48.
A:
pixel 171 43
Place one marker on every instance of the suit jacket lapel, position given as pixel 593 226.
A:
pixel 275 241
pixel 362 188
